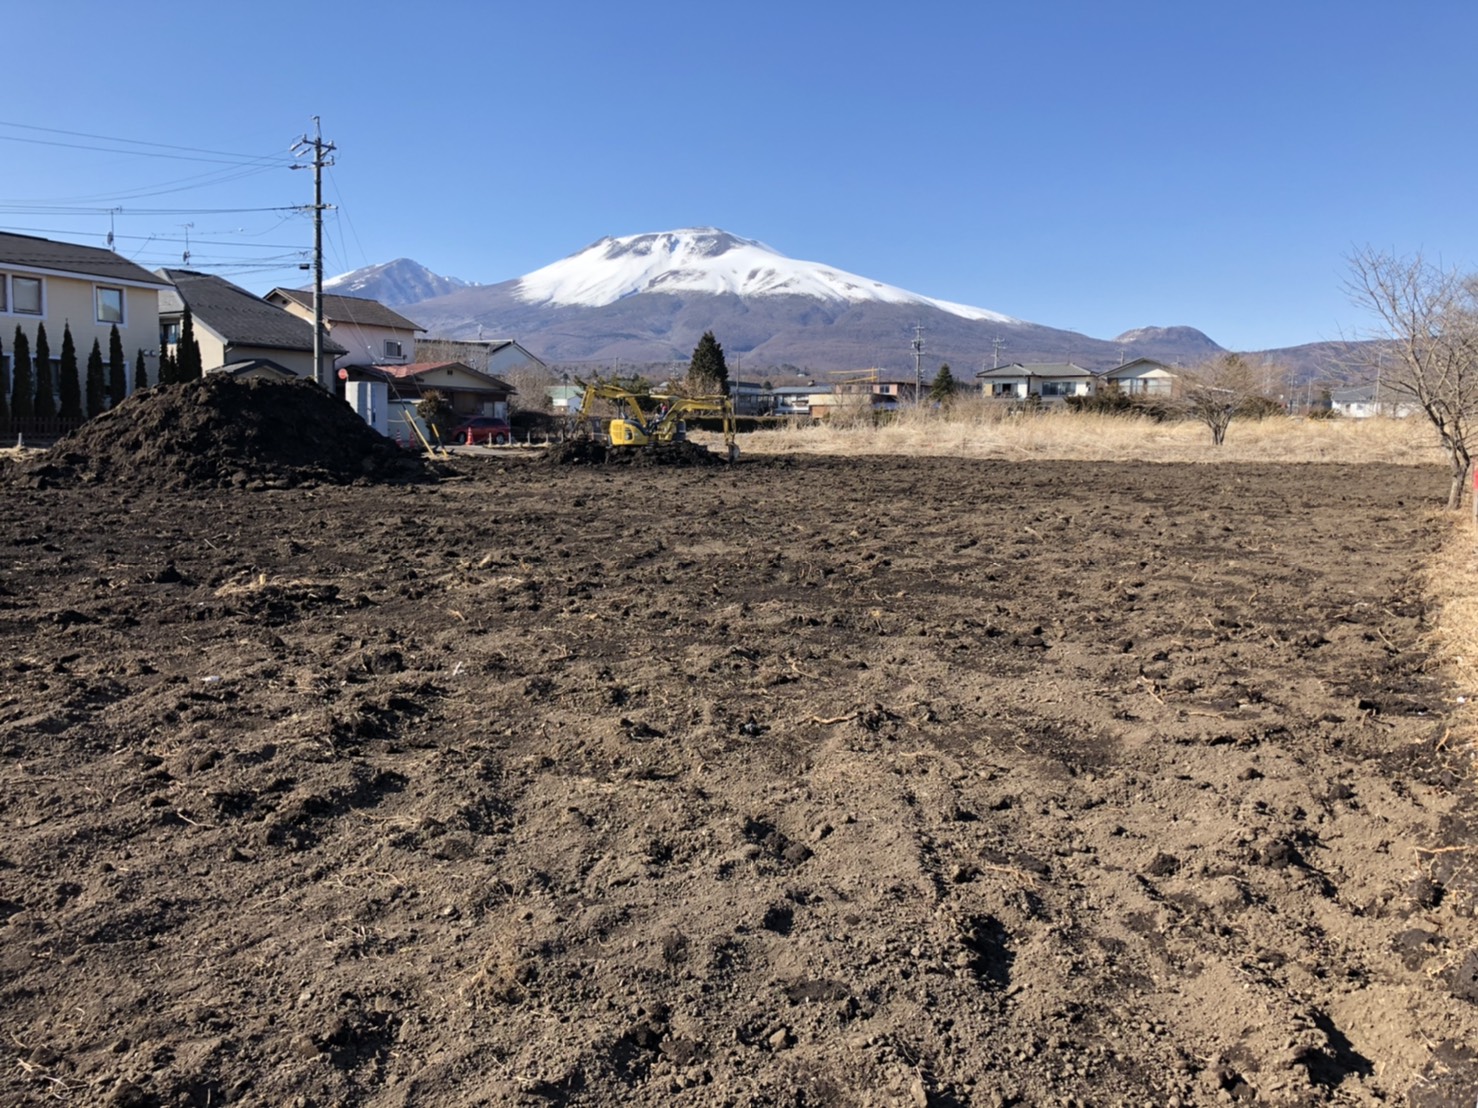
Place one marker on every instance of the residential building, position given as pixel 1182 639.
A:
pixel 1365 401
pixel 1049 382
pixel 233 327
pixel 493 357
pixel 369 332
pixel 469 392
pixel 1142 377
pixel 85 288
pixel 795 400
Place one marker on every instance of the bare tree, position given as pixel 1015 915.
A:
pixel 1426 353
pixel 1225 388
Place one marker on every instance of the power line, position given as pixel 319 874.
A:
pixel 21 209
pixel 134 142
pixel 155 238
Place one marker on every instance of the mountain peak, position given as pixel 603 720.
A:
pixel 394 284
pixel 707 260
pixel 1187 337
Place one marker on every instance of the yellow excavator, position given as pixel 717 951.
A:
pixel 635 427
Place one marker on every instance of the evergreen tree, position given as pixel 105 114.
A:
pixel 166 367
pixel 20 385
pixel 708 372
pixel 187 353
pixel 43 401
pixel 71 384
pixel 97 383
pixel 942 391
pixel 117 369
pixel 140 373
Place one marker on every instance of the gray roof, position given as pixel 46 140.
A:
pixel 349 309
pixel 1037 369
pixel 240 318
pixel 68 257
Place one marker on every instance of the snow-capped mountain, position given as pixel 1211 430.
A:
pixel 708 260
pixel 394 284
pixel 647 299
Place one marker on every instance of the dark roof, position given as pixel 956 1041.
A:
pixel 240 318
pixel 349 309
pixel 68 257
pixel 1037 369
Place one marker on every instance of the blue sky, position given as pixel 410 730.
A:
pixel 1092 166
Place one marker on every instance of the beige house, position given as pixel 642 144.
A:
pixel 1141 377
pixel 369 332
pixel 235 328
pixel 86 289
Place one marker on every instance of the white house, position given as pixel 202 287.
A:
pixel 1051 382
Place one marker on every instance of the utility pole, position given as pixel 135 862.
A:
pixel 321 150
pixel 995 355
pixel 918 363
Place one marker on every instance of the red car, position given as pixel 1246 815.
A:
pixel 482 430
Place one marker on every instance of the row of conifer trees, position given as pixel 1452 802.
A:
pixel 35 395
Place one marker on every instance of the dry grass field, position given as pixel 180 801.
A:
pixel 975 429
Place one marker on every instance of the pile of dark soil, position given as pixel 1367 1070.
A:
pixel 222 433
pixel 589 452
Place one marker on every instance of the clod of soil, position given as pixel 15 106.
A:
pixel 222 433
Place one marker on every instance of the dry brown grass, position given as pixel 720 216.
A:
pixel 977 429
pixel 1452 589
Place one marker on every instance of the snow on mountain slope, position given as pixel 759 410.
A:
pixel 393 284
pixel 707 260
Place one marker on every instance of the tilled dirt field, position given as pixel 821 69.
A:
pixel 803 782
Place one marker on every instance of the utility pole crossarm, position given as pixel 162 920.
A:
pixel 321 151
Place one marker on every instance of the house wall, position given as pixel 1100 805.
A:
pixel 1148 382
pixel 214 353
pixel 69 303
pixel 364 342
pixel 1007 388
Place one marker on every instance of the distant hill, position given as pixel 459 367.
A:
pixel 645 300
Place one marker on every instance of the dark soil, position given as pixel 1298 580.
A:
pixel 221 433
pixel 589 451
pixel 823 782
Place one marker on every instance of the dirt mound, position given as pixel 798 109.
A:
pixel 222 433
pixel 588 452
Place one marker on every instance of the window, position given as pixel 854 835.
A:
pixel 1059 388
pixel 392 349
pixel 169 333
pixel 26 292
pixel 109 305
pixel 4 301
